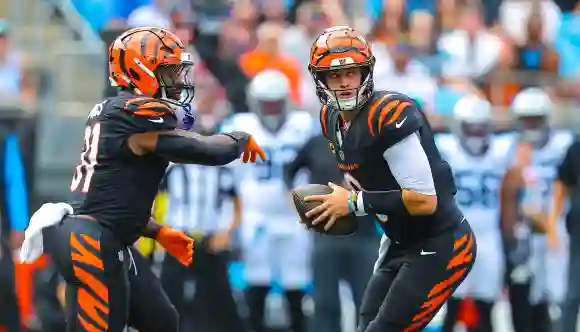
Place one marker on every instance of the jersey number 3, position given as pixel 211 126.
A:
pixel 84 171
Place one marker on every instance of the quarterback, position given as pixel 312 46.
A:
pixel 385 147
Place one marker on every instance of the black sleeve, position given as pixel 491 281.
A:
pixel 393 117
pixel 302 160
pixel 569 169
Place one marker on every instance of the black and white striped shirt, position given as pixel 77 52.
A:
pixel 199 198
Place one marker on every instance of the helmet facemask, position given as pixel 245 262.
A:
pixel 348 99
pixel 534 129
pixel 177 88
pixel 475 136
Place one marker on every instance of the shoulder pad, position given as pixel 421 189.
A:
pixel 147 106
pixel 300 119
pixel 391 111
pixel 393 116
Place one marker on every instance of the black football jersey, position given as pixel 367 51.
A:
pixel 387 119
pixel 110 183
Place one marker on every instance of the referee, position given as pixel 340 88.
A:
pixel 198 198
pixel 567 188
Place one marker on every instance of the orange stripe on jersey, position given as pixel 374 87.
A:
pixel 385 112
pixel 323 120
pixel 372 112
pixel 398 112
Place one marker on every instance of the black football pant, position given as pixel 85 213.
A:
pixel 201 292
pixel 9 313
pixel 109 285
pixel 526 317
pixel 333 259
pixel 412 283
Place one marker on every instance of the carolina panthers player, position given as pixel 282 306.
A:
pixel 275 247
pixel 536 280
pixel 478 159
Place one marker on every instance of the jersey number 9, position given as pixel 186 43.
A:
pixel 84 171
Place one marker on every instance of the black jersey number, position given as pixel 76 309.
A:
pixel 477 188
pixel 85 170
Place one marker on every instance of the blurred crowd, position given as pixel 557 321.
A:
pixel 436 51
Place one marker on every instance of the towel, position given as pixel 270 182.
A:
pixel 48 215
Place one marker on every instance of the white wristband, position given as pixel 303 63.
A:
pixel 360 207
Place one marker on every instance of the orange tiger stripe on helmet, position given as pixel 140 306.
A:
pixel 339 43
pixel 135 56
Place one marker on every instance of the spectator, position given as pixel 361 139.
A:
pixel 267 55
pixel 470 51
pixel 398 70
pixel 297 40
pixel 274 11
pixel 535 54
pixel 389 26
pixel 422 38
pixel 153 14
pixel 17 84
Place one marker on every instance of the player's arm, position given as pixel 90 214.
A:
pixel 567 178
pixel 156 123
pixel 511 185
pixel 396 122
pixel 191 148
pixel 410 167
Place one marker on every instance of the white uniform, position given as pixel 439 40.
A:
pixel 548 268
pixel 478 181
pixel 276 248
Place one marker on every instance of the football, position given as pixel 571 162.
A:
pixel 346 225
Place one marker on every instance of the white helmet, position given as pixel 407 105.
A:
pixel 268 95
pixel 532 108
pixel 472 123
pixel 532 102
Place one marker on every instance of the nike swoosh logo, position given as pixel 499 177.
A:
pixel 425 253
pixel 400 124
pixel 156 120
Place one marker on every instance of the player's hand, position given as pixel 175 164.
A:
pixel 334 206
pixel 177 244
pixel 250 150
pixel 220 241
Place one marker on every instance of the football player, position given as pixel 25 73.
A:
pixel 129 141
pixel 270 233
pixel 385 147
pixel 478 159
pixel 535 276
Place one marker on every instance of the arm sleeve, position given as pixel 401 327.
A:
pixel 16 193
pixel 569 169
pixel 410 165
